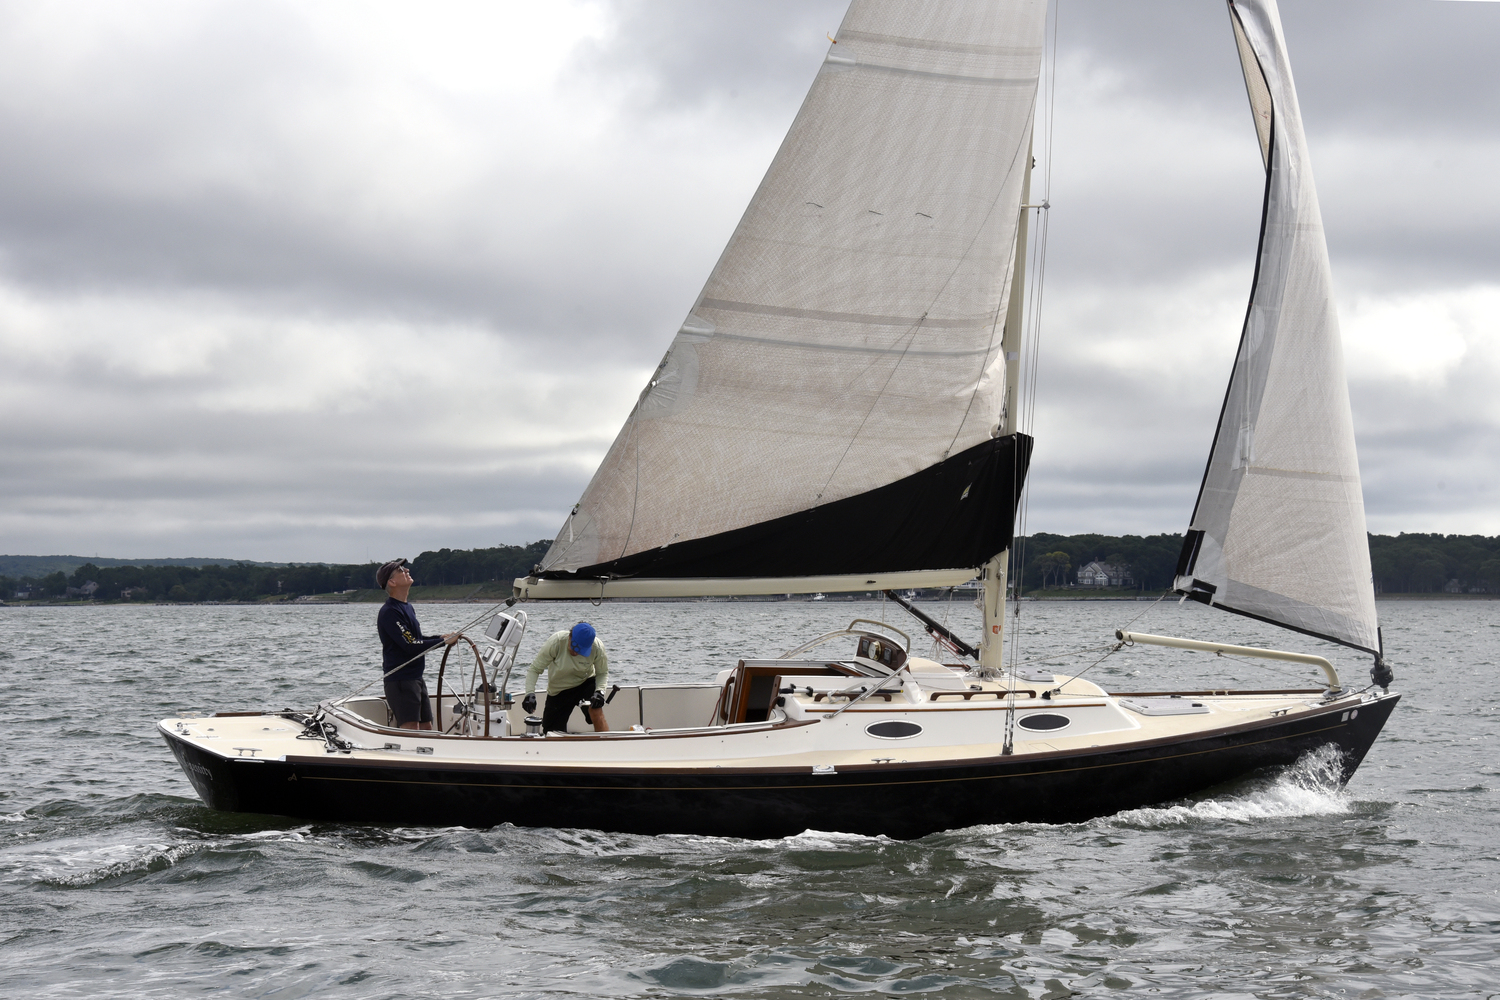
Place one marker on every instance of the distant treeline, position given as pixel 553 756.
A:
pixel 450 567
pixel 1402 564
pixel 1426 564
pixel 36 567
pixel 1151 560
pixel 248 582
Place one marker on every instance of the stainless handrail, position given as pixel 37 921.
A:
pixel 851 630
pixel 884 625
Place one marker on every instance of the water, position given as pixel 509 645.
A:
pixel 115 881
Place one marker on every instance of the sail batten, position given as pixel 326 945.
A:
pixel 1278 532
pixel 848 338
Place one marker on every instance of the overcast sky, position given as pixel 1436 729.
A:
pixel 341 281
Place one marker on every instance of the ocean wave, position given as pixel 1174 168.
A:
pixel 824 838
pixel 105 864
pixel 298 835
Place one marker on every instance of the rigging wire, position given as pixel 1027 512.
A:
pixel 1114 648
pixel 1148 610
pixel 947 610
pixel 1031 334
pixel 1059 654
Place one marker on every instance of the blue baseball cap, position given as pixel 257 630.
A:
pixel 582 638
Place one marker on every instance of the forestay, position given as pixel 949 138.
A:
pixel 830 404
pixel 1278 532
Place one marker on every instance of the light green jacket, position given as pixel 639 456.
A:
pixel 564 670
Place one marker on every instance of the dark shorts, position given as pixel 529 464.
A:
pixel 407 698
pixel 560 706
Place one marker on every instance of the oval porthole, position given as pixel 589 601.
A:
pixel 893 730
pixel 1043 722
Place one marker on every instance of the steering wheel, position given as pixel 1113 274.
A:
pixel 484 683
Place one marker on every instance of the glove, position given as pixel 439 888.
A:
pixel 528 704
pixel 597 701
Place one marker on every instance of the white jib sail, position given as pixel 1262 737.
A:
pixel 1279 528
pixel 850 334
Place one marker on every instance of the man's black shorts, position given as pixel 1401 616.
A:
pixel 408 699
pixel 560 706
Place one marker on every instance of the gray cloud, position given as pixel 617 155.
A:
pixel 1406 67
pixel 231 235
pixel 213 160
pixel 195 162
pixel 748 59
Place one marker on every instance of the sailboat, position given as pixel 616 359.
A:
pixel 839 412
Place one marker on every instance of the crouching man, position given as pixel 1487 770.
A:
pixel 577 669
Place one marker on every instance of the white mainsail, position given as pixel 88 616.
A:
pixel 1279 528
pixel 849 337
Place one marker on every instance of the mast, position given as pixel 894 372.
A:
pixel 994 577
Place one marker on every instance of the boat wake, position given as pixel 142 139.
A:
pixel 1310 787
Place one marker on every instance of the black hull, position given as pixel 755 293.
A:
pixel 898 800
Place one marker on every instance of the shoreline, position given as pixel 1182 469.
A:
pixel 376 597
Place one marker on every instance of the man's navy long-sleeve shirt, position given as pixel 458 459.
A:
pixel 401 638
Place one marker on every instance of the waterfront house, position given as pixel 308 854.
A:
pixel 1102 574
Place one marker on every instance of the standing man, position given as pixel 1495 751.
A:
pixel 577 668
pixel 401 639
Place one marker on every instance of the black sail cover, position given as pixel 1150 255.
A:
pixel 832 403
pixel 957 513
